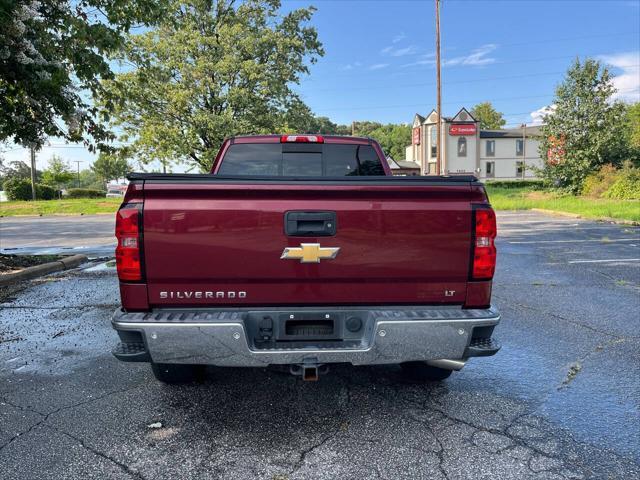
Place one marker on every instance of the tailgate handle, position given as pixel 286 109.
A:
pixel 310 224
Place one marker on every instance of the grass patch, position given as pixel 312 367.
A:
pixel 77 206
pixel 502 198
pixel 596 208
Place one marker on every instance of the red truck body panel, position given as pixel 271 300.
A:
pixel 212 241
pixel 398 245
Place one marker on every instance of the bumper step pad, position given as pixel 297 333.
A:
pixel 131 352
pixel 482 347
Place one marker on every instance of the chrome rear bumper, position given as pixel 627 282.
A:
pixel 220 337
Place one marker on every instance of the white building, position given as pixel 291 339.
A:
pixel 509 154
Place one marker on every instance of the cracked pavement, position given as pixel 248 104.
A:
pixel 561 400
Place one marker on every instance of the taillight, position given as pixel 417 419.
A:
pixel 484 249
pixel 301 139
pixel 128 249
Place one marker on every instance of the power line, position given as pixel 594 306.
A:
pixel 311 80
pixel 430 84
pixel 60 146
pixel 454 102
pixel 501 45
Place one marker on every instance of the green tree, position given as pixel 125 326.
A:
pixel 111 166
pixel 393 138
pixel 582 132
pixel 58 173
pixel 51 54
pixel 17 170
pixel 326 126
pixel 488 116
pixel 364 128
pixel 633 126
pixel 90 179
pixel 212 69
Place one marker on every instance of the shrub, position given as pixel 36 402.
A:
pixel 84 193
pixel 596 184
pixel 627 185
pixel 20 189
pixel 45 192
pixel 533 184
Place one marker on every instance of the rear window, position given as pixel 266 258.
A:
pixel 297 160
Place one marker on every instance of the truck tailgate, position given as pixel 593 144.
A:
pixel 221 243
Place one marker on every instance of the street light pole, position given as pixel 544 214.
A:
pixel 33 172
pixel 78 162
pixel 524 150
pixel 439 95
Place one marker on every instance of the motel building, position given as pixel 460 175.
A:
pixel 507 154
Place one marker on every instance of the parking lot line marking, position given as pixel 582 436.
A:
pixel 618 260
pixel 579 241
pixel 553 228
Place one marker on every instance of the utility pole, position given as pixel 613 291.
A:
pixel 78 162
pixel 33 172
pixel 353 128
pixel 439 92
pixel 524 150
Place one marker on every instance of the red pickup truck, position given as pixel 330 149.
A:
pixel 303 251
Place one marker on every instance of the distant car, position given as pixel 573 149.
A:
pixel 116 191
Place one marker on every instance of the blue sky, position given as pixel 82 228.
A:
pixel 379 61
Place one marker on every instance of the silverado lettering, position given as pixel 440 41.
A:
pixel 202 294
pixel 343 262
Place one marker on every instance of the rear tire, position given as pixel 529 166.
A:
pixel 176 372
pixel 425 373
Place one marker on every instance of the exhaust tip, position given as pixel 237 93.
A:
pixel 447 364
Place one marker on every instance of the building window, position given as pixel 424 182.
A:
pixel 520 169
pixel 434 141
pixel 519 147
pixel 462 147
pixel 491 148
pixel 490 169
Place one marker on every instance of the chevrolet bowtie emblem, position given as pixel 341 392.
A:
pixel 310 253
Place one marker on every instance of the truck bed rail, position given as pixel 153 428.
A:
pixel 456 180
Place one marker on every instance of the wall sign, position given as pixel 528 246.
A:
pixel 462 129
pixel 415 139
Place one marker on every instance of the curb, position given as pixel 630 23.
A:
pixel 557 213
pixel 44 269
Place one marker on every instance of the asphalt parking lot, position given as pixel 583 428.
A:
pixel 91 235
pixel 560 400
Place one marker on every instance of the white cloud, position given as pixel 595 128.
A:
pixel 537 116
pixel 426 59
pixel 378 66
pixel 351 66
pixel 477 57
pixel 398 38
pixel 399 52
pixel 626 68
